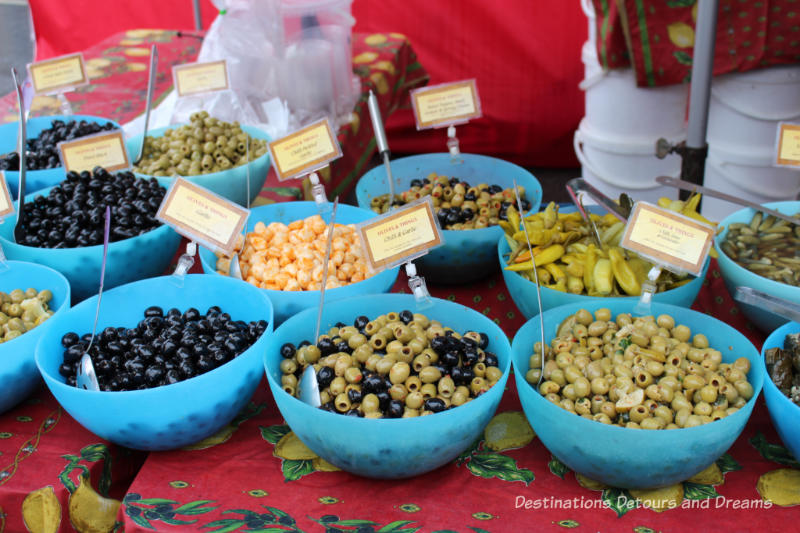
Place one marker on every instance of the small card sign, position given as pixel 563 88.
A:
pixel 106 149
pixel 445 104
pixel 304 151
pixel 202 216
pixel 788 145
pixel 667 238
pixel 400 236
pixel 196 78
pixel 6 205
pixel 59 74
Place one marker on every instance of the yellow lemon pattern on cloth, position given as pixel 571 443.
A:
pixel 781 487
pixel 291 447
pixel 41 511
pixel 681 34
pixel 660 499
pixel 89 512
pixel 508 430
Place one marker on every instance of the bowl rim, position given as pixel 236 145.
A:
pixel 466 156
pixel 53 378
pixel 728 263
pixel 29 198
pixel 65 305
pixel 501 244
pixel 661 433
pixel 205 252
pixel 263 158
pixel 277 389
pixel 782 331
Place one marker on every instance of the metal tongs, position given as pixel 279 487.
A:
pixel 19 231
pixel 150 83
pixel 579 185
pixel 779 306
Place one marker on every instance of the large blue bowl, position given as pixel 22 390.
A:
pixel 18 372
pixel 785 415
pixel 288 303
pixel 523 291
pixel 128 260
pixel 466 255
pixel 633 458
pixel 174 415
pixel 231 183
pixel 738 276
pixel 387 448
pixel 37 179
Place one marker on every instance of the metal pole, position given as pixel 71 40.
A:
pixel 198 18
pixel 693 166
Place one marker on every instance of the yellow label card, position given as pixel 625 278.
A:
pixel 404 234
pixel 305 150
pixel 6 205
pixel 58 74
pixel 105 150
pixel 670 239
pixel 789 144
pixel 196 78
pixel 445 104
pixel 200 215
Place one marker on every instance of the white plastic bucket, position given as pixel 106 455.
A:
pixel 745 108
pixel 616 164
pixel 745 173
pixel 614 103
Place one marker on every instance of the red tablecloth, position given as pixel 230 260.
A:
pixel 656 37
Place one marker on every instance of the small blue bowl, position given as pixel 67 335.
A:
pixel 523 291
pixel 231 183
pixel 37 179
pixel 387 448
pixel 633 458
pixel 288 303
pixel 466 255
pixel 785 415
pixel 18 372
pixel 174 415
pixel 129 260
pixel 738 276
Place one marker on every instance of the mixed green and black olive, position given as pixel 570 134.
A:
pixel 783 367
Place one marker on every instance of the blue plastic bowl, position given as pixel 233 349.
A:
pixel 387 448
pixel 288 303
pixel 231 183
pixel 18 372
pixel 785 415
pixel 37 179
pixel 466 255
pixel 129 260
pixel 523 291
pixel 633 458
pixel 171 416
pixel 738 276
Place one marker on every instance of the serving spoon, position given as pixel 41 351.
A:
pixel 785 308
pixel 149 99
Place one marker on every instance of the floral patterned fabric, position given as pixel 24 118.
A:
pixel 656 37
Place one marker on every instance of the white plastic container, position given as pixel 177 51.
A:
pixel 615 105
pixel 745 108
pixel 618 164
pixel 745 173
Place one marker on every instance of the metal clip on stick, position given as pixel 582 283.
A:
pixel 418 288
pixel 452 145
pixel 317 191
pixel 185 262
pixel 64 106
pixel 642 307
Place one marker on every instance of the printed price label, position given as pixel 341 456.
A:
pixel 58 74
pixel 105 150
pixel 401 235
pixel 6 205
pixel 788 145
pixel 200 215
pixel 306 150
pixel 667 238
pixel 196 78
pixel 445 104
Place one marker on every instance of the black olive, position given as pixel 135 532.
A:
pixel 383 399
pixel 65 369
pixel 342 346
pixel 372 384
pixel 360 322
pixel 324 376
pixel 439 345
pixel 395 409
pixel 74 352
pixel 490 359
pixel 354 396
pixel 154 311
pixel 69 339
pixel 173 376
pixel 449 358
pixel 469 357
pixel 406 316
pixel 484 341
pixel 326 346
pixel 354 412
pixel 154 374
pixel 435 405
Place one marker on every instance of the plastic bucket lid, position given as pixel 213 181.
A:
pixel 752 172
pixel 767 94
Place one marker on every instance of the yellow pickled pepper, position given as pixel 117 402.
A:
pixel 588 268
pixel 623 273
pixel 603 276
